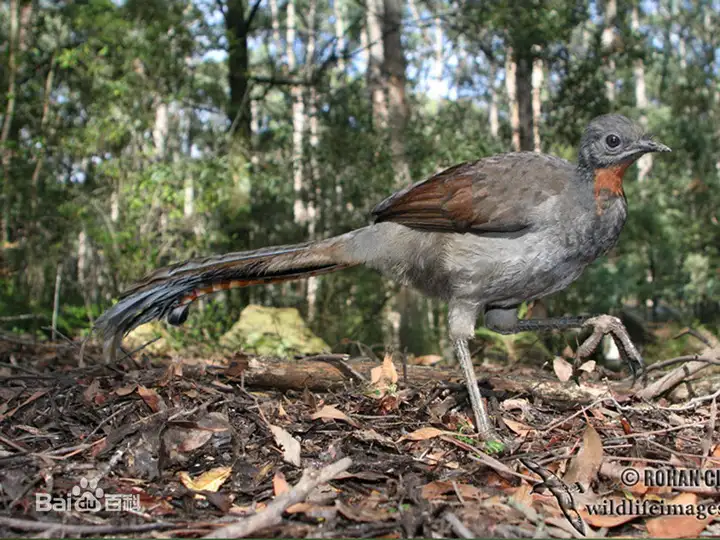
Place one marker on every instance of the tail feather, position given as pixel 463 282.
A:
pixel 167 292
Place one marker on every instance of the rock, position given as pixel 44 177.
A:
pixel 272 332
pixel 147 332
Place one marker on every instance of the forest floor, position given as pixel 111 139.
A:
pixel 181 447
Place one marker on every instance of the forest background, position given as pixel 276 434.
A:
pixel 138 133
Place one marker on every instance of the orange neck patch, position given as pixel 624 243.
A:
pixel 610 179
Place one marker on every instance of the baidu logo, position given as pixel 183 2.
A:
pixel 87 496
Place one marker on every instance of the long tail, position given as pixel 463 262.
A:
pixel 168 292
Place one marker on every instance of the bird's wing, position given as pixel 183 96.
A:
pixel 495 194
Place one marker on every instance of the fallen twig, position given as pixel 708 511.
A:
pixel 675 377
pixel 62 529
pixel 680 360
pixel 457 526
pixel 272 515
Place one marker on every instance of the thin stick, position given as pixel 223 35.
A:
pixel 272 515
pixel 62 529
pixel 458 526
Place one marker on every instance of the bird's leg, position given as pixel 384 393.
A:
pixel 482 420
pixel 505 321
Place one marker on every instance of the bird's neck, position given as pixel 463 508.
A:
pixel 604 183
pixel 608 181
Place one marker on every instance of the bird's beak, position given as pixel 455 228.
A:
pixel 648 145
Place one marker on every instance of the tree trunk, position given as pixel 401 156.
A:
pixel 275 16
pixel 83 266
pixel 56 301
pixel 393 68
pixel 160 129
pixel 375 62
pixel 115 203
pixel 645 163
pixel 35 181
pixel 239 107
pixel 300 211
pixel 511 88
pixel 439 64
pixel 338 12
pixel 607 41
pixel 364 53
pixel 313 187
pixel 493 106
pixel 537 82
pixel 8 118
pixel 523 86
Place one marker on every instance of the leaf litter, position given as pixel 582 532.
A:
pixel 195 449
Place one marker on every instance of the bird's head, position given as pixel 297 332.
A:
pixel 614 141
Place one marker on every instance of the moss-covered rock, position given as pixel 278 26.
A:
pixel 273 332
pixel 146 333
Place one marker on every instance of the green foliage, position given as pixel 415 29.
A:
pixel 128 162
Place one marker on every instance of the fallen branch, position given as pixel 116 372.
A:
pixel 321 376
pixel 272 515
pixel 708 357
pixel 64 529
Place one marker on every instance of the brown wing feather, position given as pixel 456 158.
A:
pixel 490 195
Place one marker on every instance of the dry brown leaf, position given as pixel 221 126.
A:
pixel 383 377
pixel 518 427
pixel 280 485
pixel 427 360
pixel 438 488
pixel 290 445
pixel 678 526
pixel 330 412
pixel 247 510
pixel 563 369
pixel 585 465
pixel 151 398
pixel 194 439
pixel 366 512
pixel 125 390
pixel 174 370
pixel 90 391
pixel 313 510
pixel 523 494
pixel 423 434
pixel 588 366
pixel 207 481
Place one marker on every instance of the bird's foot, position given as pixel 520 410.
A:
pixel 608 325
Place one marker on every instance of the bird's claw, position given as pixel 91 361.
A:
pixel 608 325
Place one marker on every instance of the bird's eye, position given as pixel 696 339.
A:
pixel 613 141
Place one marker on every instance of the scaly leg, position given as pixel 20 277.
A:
pixel 482 420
